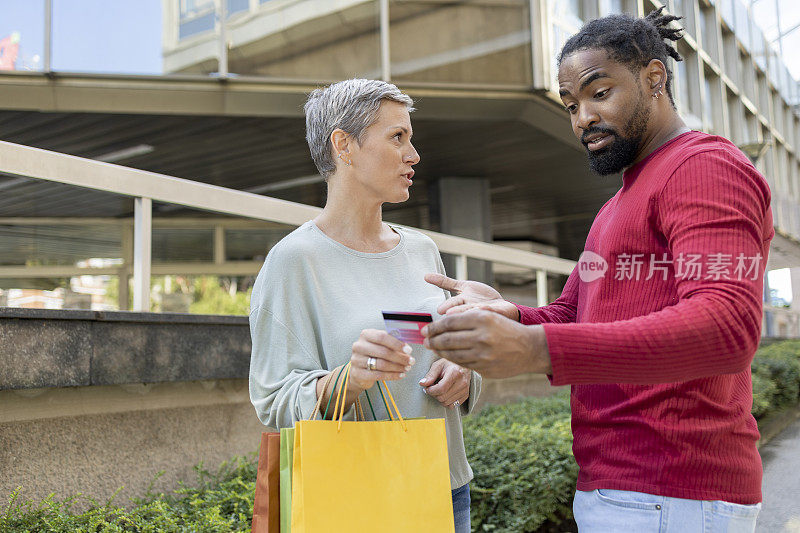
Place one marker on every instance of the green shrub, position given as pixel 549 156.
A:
pixel 521 455
pixel 221 502
pixel 778 363
pixel 764 391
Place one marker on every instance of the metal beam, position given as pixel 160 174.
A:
pixel 125 272
pixel 219 245
pixel 386 59
pixel 142 253
pixel 48 36
pixel 461 267
pixel 23 161
pixel 229 268
pixel 222 17
pixel 249 96
pixel 158 222
pixel 32 272
pixel 541 288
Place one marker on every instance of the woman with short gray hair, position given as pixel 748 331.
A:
pixel 317 302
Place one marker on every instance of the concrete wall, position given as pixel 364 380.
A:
pixel 99 439
pixel 321 40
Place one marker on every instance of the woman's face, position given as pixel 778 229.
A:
pixel 382 163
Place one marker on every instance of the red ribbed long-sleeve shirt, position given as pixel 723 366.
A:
pixel 658 348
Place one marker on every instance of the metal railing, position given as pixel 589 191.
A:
pixel 145 187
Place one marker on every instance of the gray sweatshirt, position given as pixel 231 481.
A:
pixel 310 302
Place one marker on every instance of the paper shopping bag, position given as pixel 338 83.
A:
pixel 387 476
pixel 287 450
pixel 266 506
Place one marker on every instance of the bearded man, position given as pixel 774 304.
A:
pixel 657 354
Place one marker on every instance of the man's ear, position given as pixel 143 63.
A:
pixel 655 74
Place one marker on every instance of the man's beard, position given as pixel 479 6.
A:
pixel 622 150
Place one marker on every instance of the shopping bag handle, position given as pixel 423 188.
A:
pixel 328 379
pixel 360 416
pixel 338 413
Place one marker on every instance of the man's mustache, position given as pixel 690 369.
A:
pixel 594 130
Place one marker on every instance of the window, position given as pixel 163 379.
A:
pixel 748 77
pixel 196 16
pixel 608 7
pixel 685 8
pixel 731 53
pixel 736 119
pixel 712 107
pixel 708 20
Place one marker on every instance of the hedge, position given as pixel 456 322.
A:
pixel 219 502
pixel 521 455
pixel 776 377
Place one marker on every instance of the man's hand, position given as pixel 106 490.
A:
pixel 471 295
pixel 447 382
pixel 490 344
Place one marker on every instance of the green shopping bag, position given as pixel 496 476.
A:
pixel 287 458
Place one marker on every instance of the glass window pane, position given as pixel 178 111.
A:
pixel 742 24
pixel 710 97
pixel 237 6
pixel 306 39
pixel 197 23
pixel 682 82
pixel 685 8
pixel 607 7
pixel 759 47
pixel 465 41
pixel 22 35
pixel 568 11
pixel 726 11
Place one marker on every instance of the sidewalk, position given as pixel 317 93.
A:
pixel 780 512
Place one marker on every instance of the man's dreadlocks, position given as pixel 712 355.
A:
pixel 632 41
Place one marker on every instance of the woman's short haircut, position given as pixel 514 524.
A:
pixel 350 105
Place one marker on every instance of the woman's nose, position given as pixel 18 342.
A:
pixel 412 158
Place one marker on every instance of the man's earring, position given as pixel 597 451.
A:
pixel 658 92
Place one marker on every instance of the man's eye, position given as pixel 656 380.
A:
pixel 601 94
pixel 398 135
pixel 571 108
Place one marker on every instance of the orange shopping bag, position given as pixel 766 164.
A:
pixel 267 504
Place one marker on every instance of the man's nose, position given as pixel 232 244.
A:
pixel 587 118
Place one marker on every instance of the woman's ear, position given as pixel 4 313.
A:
pixel 341 146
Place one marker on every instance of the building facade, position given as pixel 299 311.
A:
pixel 732 81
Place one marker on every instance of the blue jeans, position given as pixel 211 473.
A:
pixel 610 511
pixel 461 509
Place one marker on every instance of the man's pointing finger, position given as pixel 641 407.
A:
pixel 443 282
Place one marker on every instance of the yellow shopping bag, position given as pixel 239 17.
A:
pixel 377 476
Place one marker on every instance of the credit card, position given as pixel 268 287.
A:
pixel 406 326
